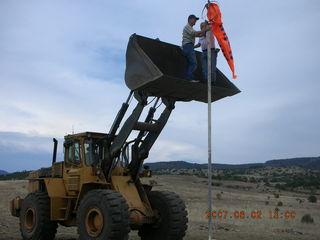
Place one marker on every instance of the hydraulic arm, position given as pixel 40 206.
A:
pixel 148 131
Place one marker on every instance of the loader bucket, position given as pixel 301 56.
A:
pixel 157 69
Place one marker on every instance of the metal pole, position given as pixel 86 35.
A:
pixel 210 228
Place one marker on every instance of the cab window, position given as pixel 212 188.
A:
pixel 93 152
pixel 73 153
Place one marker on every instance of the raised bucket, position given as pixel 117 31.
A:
pixel 157 69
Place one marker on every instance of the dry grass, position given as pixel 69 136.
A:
pixel 194 191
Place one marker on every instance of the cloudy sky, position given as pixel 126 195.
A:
pixel 62 69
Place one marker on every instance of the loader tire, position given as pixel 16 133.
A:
pixel 103 214
pixel 172 224
pixel 35 220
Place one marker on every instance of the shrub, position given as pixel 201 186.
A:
pixel 267 203
pixel 280 204
pixel 252 180
pixel 281 186
pixel 307 219
pixel 152 182
pixel 312 199
pixel 219 196
pixel 216 184
pixel 276 195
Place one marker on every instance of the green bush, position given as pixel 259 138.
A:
pixel 152 182
pixel 219 196
pixel 307 219
pixel 216 184
pixel 280 204
pixel 276 195
pixel 312 199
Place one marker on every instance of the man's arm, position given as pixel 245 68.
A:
pixel 202 32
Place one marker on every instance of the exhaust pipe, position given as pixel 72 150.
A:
pixel 55 146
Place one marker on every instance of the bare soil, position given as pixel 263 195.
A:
pixel 236 197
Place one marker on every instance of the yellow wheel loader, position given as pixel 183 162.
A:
pixel 97 187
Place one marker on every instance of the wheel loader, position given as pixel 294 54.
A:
pixel 97 187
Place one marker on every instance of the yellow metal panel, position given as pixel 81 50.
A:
pixel 15 206
pixel 57 169
pixel 125 186
pixel 58 208
pixel 33 186
pixel 33 174
pixel 55 187
pixel 73 183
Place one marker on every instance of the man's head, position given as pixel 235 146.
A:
pixel 204 25
pixel 192 19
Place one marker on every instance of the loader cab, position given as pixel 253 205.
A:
pixel 83 155
pixel 84 149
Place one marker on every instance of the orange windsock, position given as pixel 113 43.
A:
pixel 214 17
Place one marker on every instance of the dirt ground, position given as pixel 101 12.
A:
pixel 234 197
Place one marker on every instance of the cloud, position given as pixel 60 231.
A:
pixel 168 150
pixel 20 151
pixel 62 67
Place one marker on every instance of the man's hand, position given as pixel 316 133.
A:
pixel 197 45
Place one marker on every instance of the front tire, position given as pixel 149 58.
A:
pixel 35 220
pixel 103 215
pixel 173 217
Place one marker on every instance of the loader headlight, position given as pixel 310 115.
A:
pixel 98 172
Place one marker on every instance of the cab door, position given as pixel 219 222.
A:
pixel 73 164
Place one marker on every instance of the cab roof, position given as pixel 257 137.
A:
pixel 86 134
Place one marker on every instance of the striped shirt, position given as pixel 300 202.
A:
pixel 188 35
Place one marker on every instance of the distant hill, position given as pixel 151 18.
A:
pixel 15 176
pixel 2 172
pixel 183 164
pixel 310 163
pixel 173 165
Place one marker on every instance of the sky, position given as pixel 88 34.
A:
pixel 62 69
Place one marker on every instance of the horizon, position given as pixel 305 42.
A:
pixel 187 161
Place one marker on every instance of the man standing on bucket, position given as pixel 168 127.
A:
pixel 188 41
pixel 203 43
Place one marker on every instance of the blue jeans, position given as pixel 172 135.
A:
pixel 189 53
pixel 204 59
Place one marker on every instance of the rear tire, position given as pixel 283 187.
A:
pixel 35 220
pixel 173 217
pixel 103 215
